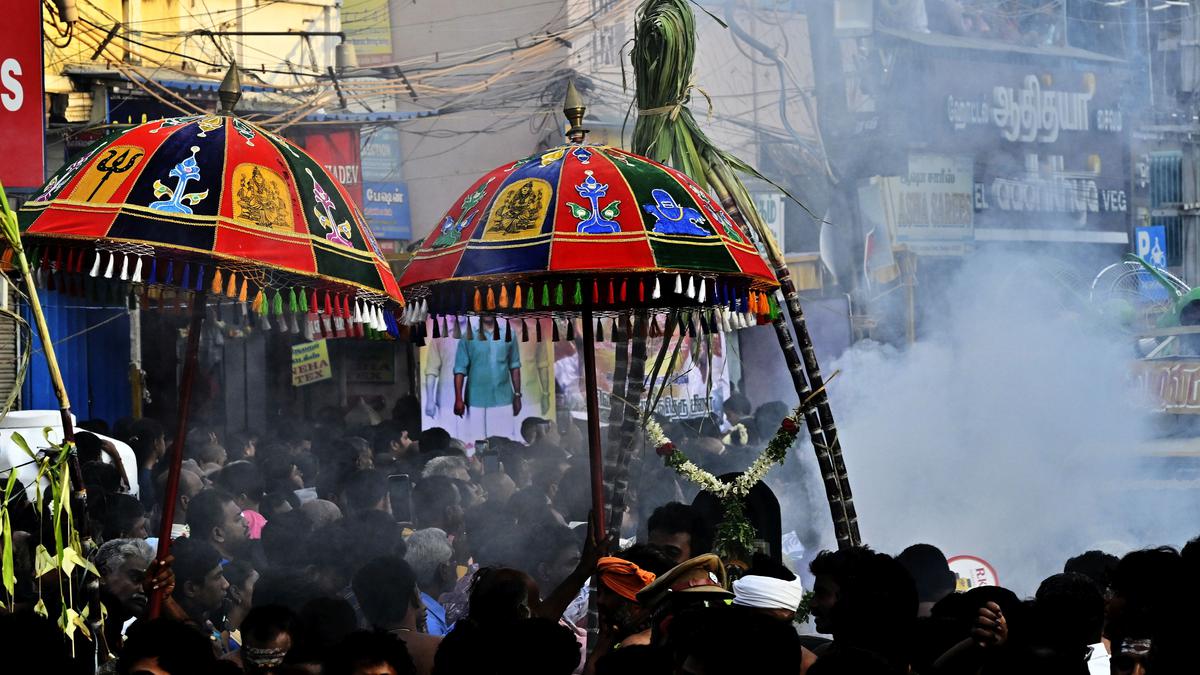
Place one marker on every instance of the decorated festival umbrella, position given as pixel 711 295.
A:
pixel 208 208
pixel 586 231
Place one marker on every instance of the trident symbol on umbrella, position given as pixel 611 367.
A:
pixel 339 233
pixel 113 163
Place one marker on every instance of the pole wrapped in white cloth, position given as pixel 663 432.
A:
pixel 767 593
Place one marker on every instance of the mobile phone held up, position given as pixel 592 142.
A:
pixel 400 493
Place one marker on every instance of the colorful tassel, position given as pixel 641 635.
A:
pixel 657 293
pixel 524 331
pixel 703 292
pixel 478 304
pixel 277 304
pixel 612 296
pixel 244 291
pixel 545 297
pixel 529 297
pixel 257 305
pixel 554 331
pixel 200 279
pixel 496 330
pixel 691 287
pixel 491 299
pixel 187 275
pixel 623 284
pixel 641 290
pixel 328 304
pixel 578 294
pixel 507 330
pixel 231 291
pixel 570 330
pixel 503 300
pixel 112 260
pixel 302 301
pixel 218 283
pixel 595 292
pixel 558 295
pixel 599 330
pixel 293 303
pixel 95 266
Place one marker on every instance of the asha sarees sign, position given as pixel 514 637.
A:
pixel 21 124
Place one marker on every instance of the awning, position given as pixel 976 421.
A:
pixel 943 41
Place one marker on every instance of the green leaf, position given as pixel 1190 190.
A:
pixel 6 565
pixel 43 562
pixel 40 609
pixel 160 189
pixel 194 198
pixel 22 444
pixel 578 211
pixel 71 557
pixel 612 210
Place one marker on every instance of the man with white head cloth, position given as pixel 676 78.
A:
pixel 775 598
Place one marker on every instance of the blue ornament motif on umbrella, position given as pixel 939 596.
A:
pixel 671 218
pixel 184 172
pixel 595 220
pixel 582 154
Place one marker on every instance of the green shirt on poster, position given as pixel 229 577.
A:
pixel 487 365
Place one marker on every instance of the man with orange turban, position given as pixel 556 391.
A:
pixel 622 619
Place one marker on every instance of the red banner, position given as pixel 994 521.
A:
pixel 22 134
pixel 338 150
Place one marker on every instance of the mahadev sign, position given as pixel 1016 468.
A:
pixel 310 363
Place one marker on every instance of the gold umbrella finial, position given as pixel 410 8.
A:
pixel 574 108
pixel 230 91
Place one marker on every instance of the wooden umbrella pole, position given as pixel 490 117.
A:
pixel 595 456
pixel 191 357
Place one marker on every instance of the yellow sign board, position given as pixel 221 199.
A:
pixel 310 363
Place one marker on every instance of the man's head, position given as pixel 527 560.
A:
pixel 364 653
pixel 619 583
pixel 124 517
pixel 431 557
pixel 386 589
pixel 865 599
pixel 676 529
pixel 122 565
pixel 928 567
pixel 434 441
pixel 148 441
pixel 200 584
pixel 1095 565
pixel 1070 611
pixel 736 408
pixel 244 481
pixel 268 633
pixel 534 429
pixel 166 646
pixel 450 467
pixel 553 555
pixel 436 503
pixel 365 490
pixel 215 517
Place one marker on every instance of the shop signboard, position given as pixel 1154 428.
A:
pixel 21 113
pixel 1151 242
pixel 929 209
pixel 338 150
pixel 310 363
pixel 368 26
pixel 385 204
pixel 1169 385
pixel 770 207
pixel 1047 136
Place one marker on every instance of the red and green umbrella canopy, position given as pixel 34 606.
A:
pixel 212 202
pixel 585 224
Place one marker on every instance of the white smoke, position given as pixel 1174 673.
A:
pixel 1007 433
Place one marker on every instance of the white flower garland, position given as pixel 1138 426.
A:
pixel 773 454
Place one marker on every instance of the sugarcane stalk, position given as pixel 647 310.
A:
pixel 663 55
pixel 616 414
pixel 736 196
pixel 12 233
pixel 635 387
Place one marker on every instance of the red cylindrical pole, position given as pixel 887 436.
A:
pixel 185 397
pixel 595 457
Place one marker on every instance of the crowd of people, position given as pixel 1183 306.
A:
pixel 335 548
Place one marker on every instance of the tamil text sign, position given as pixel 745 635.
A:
pixel 310 363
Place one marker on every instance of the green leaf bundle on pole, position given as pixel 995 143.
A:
pixel 666 131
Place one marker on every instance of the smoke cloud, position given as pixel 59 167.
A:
pixel 1009 432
